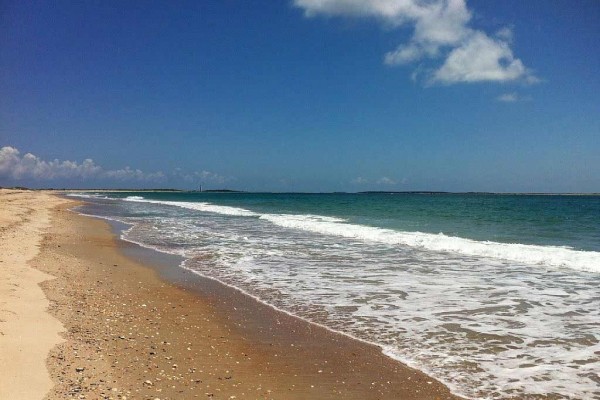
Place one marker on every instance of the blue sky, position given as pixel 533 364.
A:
pixel 305 95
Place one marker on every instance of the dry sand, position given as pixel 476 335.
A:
pixel 27 331
pixel 138 328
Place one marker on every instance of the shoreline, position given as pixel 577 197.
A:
pixel 259 322
pixel 172 271
pixel 133 332
pixel 175 273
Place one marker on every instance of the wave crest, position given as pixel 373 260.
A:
pixel 552 256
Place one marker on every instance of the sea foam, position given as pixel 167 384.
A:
pixel 488 328
pixel 548 256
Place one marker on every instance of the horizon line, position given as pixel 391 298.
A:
pixel 234 191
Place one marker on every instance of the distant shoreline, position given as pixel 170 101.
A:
pixel 422 192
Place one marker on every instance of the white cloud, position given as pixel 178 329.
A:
pixel 513 97
pixel 505 33
pixel 129 174
pixel 207 176
pixel 440 30
pixel 359 181
pixel 391 11
pixel 200 177
pixel 480 58
pixel 386 181
pixel 406 54
pixel 28 166
pixel 508 97
pixel 15 166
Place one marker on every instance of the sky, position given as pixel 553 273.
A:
pixel 301 95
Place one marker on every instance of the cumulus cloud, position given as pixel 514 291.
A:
pixel 15 166
pixel 481 58
pixel 440 31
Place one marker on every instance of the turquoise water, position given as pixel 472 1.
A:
pixel 495 295
pixel 557 220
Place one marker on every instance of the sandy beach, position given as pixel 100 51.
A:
pixel 115 321
pixel 27 331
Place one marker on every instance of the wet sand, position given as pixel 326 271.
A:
pixel 137 327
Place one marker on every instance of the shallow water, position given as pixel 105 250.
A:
pixel 497 296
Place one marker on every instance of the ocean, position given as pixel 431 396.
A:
pixel 497 296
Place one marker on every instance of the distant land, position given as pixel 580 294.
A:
pixel 219 191
pixel 403 192
pixel 430 192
